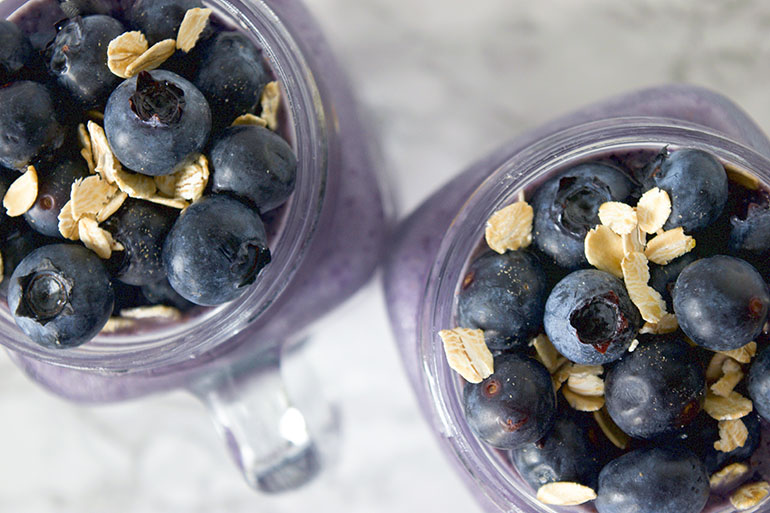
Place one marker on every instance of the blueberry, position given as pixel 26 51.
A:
pixel 28 124
pixel 695 181
pixel 54 187
pixel 160 19
pixel 663 277
pixel 564 454
pixel 156 121
pixel 653 480
pixel 759 383
pixel 751 234
pixel 18 242
pixel 161 293
pixel 15 51
pixel 231 76
pixel 514 406
pixel 700 436
pixel 589 317
pixel 656 390
pixel 721 302
pixel 79 58
pixel 254 163
pixel 74 8
pixel 567 207
pixel 504 295
pixel 141 227
pixel 215 249
pixel 60 295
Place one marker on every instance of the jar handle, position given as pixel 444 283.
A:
pixel 267 409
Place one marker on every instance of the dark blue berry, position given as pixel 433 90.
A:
pixel 156 121
pixel 655 390
pixel 752 233
pixel 254 163
pixel 15 51
pixel 60 295
pixel 696 182
pixel 216 248
pixel 54 187
pixel 28 124
pixel 565 454
pixel 79 58
pixel 75 8
pixel 653 480
pixel 567 207
pixel 141 227
pixel 231 76
pixel 160 19
pixel 161 293
pixel 759 383
pixel 504 295
pixel 721 302
pixel 18 241
pixel 514 406
pixel 589 317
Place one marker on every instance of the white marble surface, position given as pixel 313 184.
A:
pixel 444 83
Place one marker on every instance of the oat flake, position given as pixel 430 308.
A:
pixel 653 210
pixel 729 475
pixel 21 194
pixel 68 225
pixel 636 275
pixel 547 353
pixel 732 407
pixel 152 58
pixel 742 354
pixel 271 102
pixel 249 119
pixel 669 245
pixel 618 217
pixel 604 250
pixel 105 162
pixel 564 493
pixel 750 495
pixel 124 50
pixel 467 353
pixel 96 239
pixel 510 228
pixel 732 434
pixel 613 433
pixel 152 312
pixel 190 29
pixel 582 402
pixel 89 195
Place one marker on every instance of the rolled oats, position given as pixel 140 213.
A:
pixel 271 102
pixel 743 354
pixel 586 384
pixel 192 26
pixel 152 58
pixel 732 407
pixel 547 353
pixel 467 353
pixel 732 434
pixel 152 312
pixel 135 185
pixel 742 177
pixel 96 239
pixel 90 195
pixel 21 194
pixel 125 50
pixel 111 206
pixel 653 210
pixel 582 402
pixel 86 151
pixel 249 119
pixel 725 385
pixel 666 324
pixel 561 375
pixel 634 241
pixel 613 433
pixel 68 225
pixel 105 162
pixel 510 228
pixel 729 476
pixel 714 370
pixel 565 493
pixel 636 276
pixel 618 217
pixel 115 324
pixel 669 245
pixel 750 495
pixel 604 250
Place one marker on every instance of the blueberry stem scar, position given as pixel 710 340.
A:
pixel 157 102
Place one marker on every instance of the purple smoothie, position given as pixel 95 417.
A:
pixel 433 245
pixel 326 243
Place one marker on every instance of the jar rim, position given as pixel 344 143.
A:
pixel 485 467
pixel 209 330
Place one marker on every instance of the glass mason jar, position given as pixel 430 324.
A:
pixel 326 248
pixel 429 257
